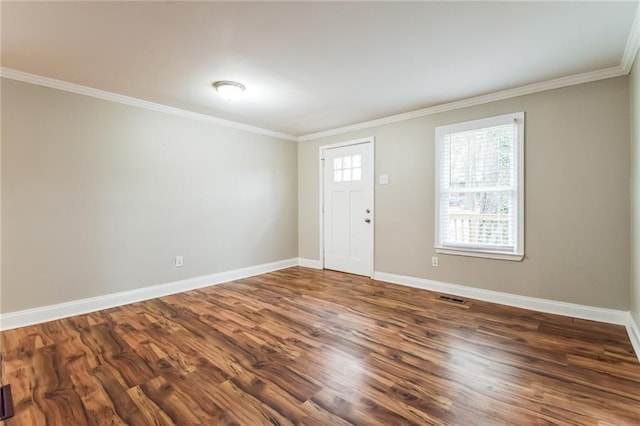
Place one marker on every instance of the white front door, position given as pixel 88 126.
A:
pixel 348 208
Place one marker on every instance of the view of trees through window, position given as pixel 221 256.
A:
pixel 479 186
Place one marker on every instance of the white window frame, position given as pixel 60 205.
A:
pixel 441 132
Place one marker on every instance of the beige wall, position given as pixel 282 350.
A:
pixel 577 198
pixel 634 98
pixel 99 197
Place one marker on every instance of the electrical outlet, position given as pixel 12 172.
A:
pixel 434 261
pixel 179 261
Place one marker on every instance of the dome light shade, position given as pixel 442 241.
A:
pixel 230 90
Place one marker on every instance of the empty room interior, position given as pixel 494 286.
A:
pixel 320 213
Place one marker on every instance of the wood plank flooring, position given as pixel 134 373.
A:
pixel 300 346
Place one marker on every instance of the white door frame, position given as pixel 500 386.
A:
pixel 322 148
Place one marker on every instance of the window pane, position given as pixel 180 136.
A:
pixel 337 176
pixel 337 163
pixel 482 157
pixel 347 175
pixel 479 219
pixel 479 186
pixel 357 161
pixel 346 162
pixel 356 174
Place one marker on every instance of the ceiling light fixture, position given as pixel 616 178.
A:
pixel 230 90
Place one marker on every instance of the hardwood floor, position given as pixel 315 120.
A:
pixel 300 346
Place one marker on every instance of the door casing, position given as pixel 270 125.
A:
pixel 321 171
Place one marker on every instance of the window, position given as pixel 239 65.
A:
pixel 480 188
pixel 346 169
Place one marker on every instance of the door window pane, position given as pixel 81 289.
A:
pixel 346 169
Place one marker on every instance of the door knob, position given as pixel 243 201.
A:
pixel 368 211
pixel 367 220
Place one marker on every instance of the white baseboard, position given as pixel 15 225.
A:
pixel 633 329
pixel 611 316
pixel 593 313
pixel 309 263
pixel 42 314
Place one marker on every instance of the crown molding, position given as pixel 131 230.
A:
pixel 630 52
pixel 633 43
pixel 628 58
pixel 478 100
pixel 127 100
pixel 464 103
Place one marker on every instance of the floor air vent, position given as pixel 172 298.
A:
pixel 6 404
pixel 451 299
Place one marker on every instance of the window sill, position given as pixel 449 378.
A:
pixel 483 254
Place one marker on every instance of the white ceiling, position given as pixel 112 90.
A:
pixel 312 66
